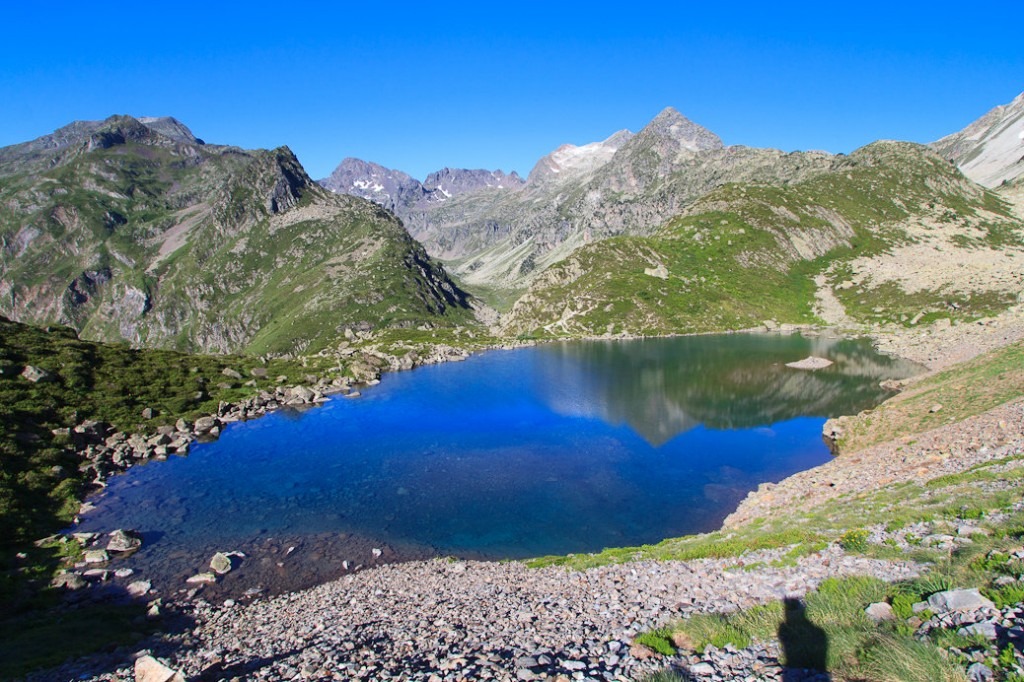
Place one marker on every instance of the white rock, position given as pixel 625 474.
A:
pixel 148 669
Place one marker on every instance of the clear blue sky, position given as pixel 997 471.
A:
pixel 498 85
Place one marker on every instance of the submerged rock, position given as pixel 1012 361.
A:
pixel 811 363
pixel 221 563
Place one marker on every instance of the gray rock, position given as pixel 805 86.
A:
pixel 810 363
pixel 148 669
pixel 205 424
pixel 259 372
pixel 70 581
pixel 958 600
pixel 299 395
pixel 231 373
pixel 221 563
pixel 986 629
pixel 96 556
pixel 880 611
pixel 202 579
pixel 124 541
pixel 37 375
pixel 139 588
pixel 979 672
pixel 147 413
pixel 702 668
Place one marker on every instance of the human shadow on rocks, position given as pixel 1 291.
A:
pixel 804 645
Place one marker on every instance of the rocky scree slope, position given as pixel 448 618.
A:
pixel 989 151
pixel 133 229
pixel 877 235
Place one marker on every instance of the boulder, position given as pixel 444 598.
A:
pixel 986 629
pixel 202 579
pixel 139 588
pixel 71 581
pixel 979 672
pixel 96 556
pixel 958 600
pixel 124 541
pixel 221 563
pixel 148 669
pixel 231 373
pixel 880 611
pixel 259 372
pixel 811 363
pixel 299 395
pixel 37 375
pixel 147 413
pixel 205 424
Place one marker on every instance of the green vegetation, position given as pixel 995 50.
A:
pixel 859 648
pixel 40 481
pixel 746 253
pixel 963 391
pixel 47 637
pixel 233 251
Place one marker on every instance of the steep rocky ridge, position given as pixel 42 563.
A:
pixel 500 237
pixel 405 195
pixel 877 233
pixel 628 184
pixel 989 151
pixel 133 229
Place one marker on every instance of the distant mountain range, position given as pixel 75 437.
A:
pixel 134 229
pixel 627 184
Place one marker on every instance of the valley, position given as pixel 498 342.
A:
pixel 156 280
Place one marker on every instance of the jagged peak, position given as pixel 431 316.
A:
pixel 168 126
pixel 671 126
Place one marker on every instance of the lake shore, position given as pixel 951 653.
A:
pixel 444 630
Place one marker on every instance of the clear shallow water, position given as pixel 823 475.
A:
pixel 554 449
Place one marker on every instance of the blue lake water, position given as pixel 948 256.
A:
pixel 554 449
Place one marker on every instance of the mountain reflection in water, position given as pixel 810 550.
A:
pixel 661 388
pixel 548 450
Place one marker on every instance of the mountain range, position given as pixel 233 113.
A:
pixel 134 229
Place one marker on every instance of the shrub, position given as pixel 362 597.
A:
pixel 854 540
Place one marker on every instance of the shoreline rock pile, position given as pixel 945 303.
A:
pixel 451 620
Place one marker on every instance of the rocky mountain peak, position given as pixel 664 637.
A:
pixel 453 181
pixel 674 130
pixel 168 126
pixel 569 162
pixel 989 151
pixel 368 180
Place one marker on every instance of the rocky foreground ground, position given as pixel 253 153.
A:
pixel 444 620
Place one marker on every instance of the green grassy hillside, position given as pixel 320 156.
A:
pixel 746 253
pixel 130 235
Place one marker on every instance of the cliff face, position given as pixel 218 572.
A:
pixel 133 229
pixel 989 151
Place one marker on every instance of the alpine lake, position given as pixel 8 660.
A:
pixel 554 449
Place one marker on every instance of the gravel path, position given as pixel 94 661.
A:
pixel 442 620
